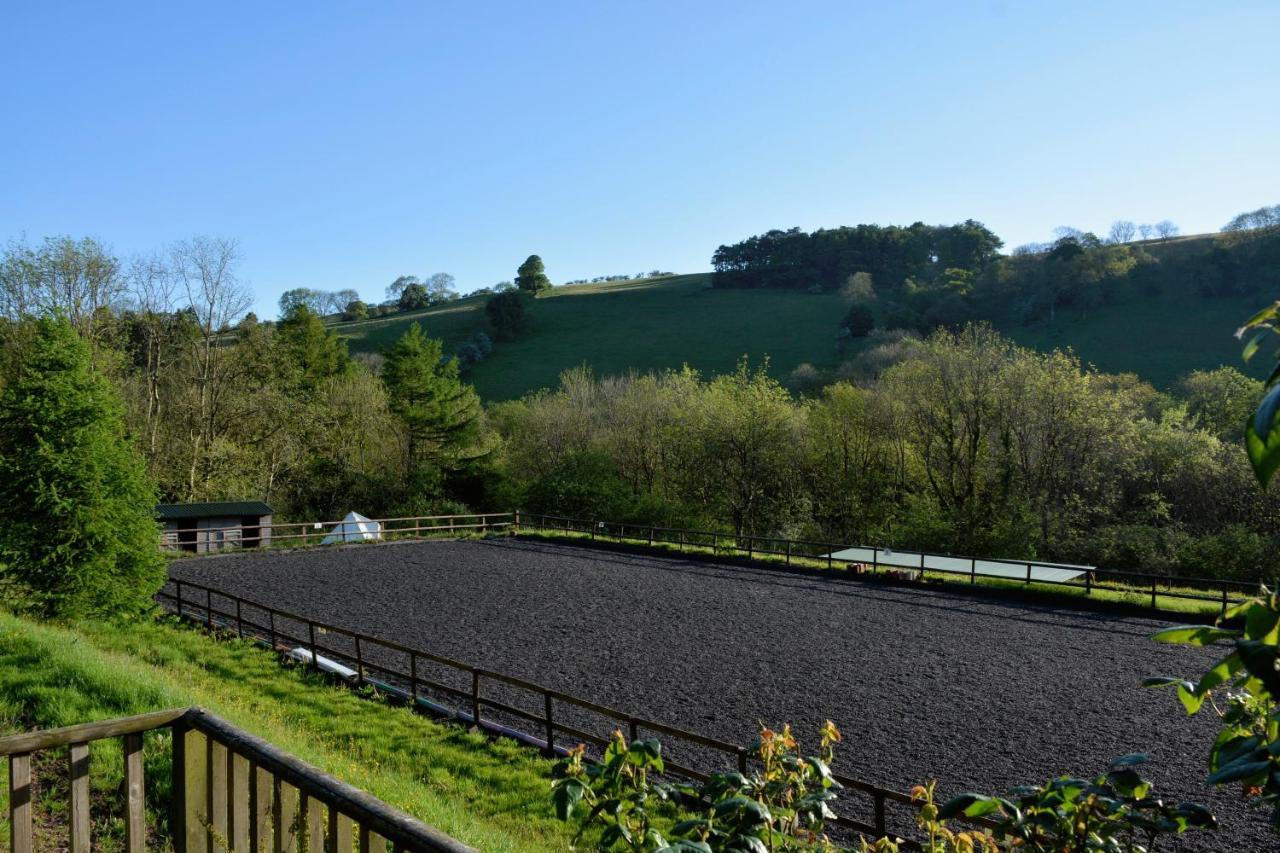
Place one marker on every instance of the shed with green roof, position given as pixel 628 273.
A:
pixel 215 525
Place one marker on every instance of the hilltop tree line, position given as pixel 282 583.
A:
pixel 921 277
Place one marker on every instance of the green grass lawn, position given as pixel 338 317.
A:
pixel 490 794
pixel 1158 339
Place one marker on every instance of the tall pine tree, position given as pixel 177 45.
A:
pixel 441 413
pixel 79 534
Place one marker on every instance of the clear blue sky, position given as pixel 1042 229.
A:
pixel 347 143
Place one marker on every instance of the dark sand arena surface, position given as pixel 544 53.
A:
pixel 979 693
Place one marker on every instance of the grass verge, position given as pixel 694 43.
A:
pixel 490 794
pixel 1101 593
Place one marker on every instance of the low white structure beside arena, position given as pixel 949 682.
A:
pixel 1013 570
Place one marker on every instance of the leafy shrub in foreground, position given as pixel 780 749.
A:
pixel 784 806
pixel 781 806
pixel 1112 812
pixel 1247 684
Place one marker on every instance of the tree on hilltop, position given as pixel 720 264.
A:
pixel 531 277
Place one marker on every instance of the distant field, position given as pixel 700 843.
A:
pixel 659 323
pixel 1158 339
pixel 641 325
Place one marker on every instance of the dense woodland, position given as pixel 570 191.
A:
pixel 921 277
pixel 951 440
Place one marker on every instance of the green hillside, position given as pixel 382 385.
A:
pixel 619 326
pixel 1160 340
pixel 1159 333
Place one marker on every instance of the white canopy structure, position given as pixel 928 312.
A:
pixel 1012 569
pixel 354 528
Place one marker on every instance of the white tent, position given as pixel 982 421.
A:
pixel 354 528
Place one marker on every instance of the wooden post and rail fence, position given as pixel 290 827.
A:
pixel 307 533
pixel 230 791
pixel 1221 592
pixel 395 671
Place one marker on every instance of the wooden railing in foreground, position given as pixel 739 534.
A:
pixel 372 661
pixel 230 791
pixel 1219 592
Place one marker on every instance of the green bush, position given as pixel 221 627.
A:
pixel 508 314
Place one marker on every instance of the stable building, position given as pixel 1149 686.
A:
pixel 214 526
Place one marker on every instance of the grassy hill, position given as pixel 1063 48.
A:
pixel 658 323
pixel 618 326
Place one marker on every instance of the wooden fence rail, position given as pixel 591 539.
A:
pixel 1220 592
pixel 229 791
pixel 196 602
pixel 307 533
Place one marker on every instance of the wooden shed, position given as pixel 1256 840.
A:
pixel 214 526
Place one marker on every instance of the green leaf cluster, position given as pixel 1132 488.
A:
pixel 1116 811
pixel 1243 688
pixel 781 806
pixel 1262 429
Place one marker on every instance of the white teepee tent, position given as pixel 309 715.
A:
pixel 354 528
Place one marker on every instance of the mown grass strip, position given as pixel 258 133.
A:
pixel 491 794
pixel 1047 593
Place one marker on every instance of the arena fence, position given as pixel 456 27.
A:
pixel 1211 591
pixel 302 534
pixel 1153 587
pixel 372 661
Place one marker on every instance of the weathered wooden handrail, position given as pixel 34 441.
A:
pixel 85 732
pixel 231 791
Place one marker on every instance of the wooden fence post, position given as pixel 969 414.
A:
pixel 551 727
pixel 20 837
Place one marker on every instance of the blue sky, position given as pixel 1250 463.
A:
pixel 344 144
